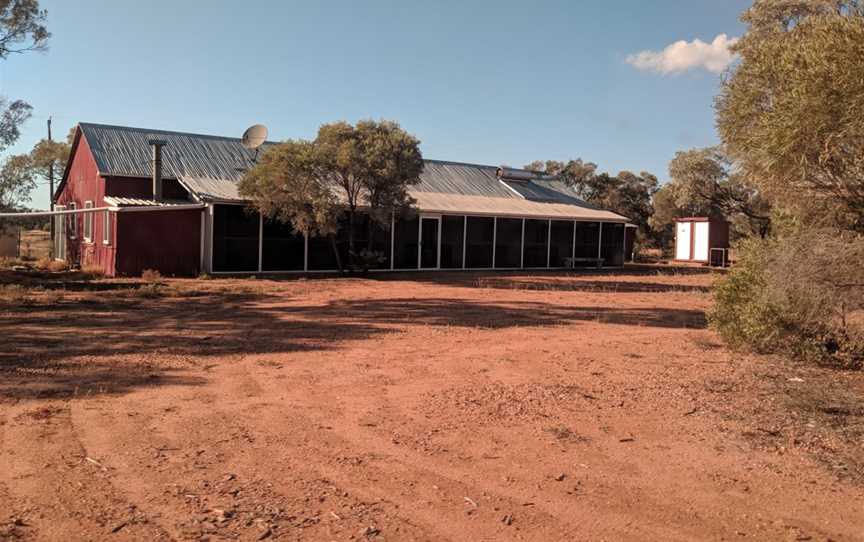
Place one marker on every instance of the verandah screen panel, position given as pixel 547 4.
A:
pixel 612 250
pixel 587 242
pixel 283 248
pixel 536 243
pixel 235 239
pixel 452 238
pixel 364 228
pixel 508 242
pixel 561 246
pixel 479 247
pixel 406 243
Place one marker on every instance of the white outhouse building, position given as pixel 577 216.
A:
pixel 702 240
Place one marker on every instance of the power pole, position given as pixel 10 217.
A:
pixel 51 194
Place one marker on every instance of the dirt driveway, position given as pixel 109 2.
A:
pixel 449 407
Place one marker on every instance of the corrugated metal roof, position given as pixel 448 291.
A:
pixel 211 189
pixel 123 151
pixel 434 202
pixel 461 178
pixel 115 201
pixel 546 190
pixel 210 166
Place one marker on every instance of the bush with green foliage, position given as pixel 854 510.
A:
pixel 800 294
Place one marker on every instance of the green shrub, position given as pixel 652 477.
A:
pixel 802 294
pixel 741 314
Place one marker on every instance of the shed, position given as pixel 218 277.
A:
pixel 701 239
pixel 190 217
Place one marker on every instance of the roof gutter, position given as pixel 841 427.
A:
pixel 144 209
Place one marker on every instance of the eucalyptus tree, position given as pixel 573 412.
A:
pixel 344 171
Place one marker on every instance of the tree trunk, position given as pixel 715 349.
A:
pixel 352 254
pixel 336 253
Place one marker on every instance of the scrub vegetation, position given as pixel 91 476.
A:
pixel 789 176
pixel 802 294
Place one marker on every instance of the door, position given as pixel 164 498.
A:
pixel 682 240
pixel 700 241
pixel 429 236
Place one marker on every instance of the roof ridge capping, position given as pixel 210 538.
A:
pixel 152 133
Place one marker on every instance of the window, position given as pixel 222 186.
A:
pixel 88 222
pixel 73 221
pixel 106 228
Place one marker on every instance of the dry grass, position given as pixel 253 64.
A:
pixel 150 291
pixel 16 295
pixel 93 270
pixel 13 294
pixel 8 262
pixel 151 275
pixel 48 264
pixel 57 266
pixel 650 255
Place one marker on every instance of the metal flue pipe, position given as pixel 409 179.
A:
pixel 156 145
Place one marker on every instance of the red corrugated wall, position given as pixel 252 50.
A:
pixel 83 184
pixel 140 187
pixel 166 241
pixel 719 233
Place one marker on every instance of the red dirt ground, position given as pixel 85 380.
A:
pixel 415 407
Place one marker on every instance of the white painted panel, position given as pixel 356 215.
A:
pixel 682 240
pixel 700 241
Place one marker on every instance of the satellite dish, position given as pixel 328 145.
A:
pixel 254 136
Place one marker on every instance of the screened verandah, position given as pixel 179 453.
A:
pixel 244 242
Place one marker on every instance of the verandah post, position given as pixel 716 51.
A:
pixel 600 246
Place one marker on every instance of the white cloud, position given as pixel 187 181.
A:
pixel 682 56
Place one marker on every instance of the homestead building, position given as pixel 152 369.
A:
pixel 168 201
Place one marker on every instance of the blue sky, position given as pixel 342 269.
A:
pixel 492 82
